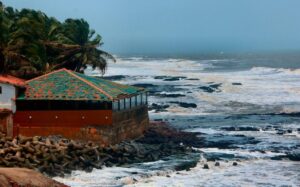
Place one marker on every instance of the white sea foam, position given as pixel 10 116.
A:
pixel 262 90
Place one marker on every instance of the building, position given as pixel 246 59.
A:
pixel 79 107
pixel 9 88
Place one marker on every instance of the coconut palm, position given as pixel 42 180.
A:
pixel 82 48
pixel 31 43
pixel 12 61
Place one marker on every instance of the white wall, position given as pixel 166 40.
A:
pixel 8 93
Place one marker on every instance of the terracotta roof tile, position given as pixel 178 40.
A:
pixel 7 79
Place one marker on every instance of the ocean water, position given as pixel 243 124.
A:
pixel 248 110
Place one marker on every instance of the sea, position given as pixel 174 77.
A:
pixel 246 107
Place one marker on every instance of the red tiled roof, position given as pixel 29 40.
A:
pixel 7 79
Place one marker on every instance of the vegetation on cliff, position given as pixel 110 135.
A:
pixel 31 44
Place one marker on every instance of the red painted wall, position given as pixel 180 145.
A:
pixel 77 118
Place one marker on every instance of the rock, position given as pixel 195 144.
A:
pixel 205 166
pixel 236 83
pixel 211 88
pixel 185 105
pixel 158 108
pixel 193 79
pixel 115 77
pixel 234 163
pixel 289 131
pixel 25 177
pixel 294 156
pixel 207 89
pixel 170 95
pixel 228 128
pixel 186 165
pixel 217 164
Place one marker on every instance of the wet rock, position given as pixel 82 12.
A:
pixel 205 166
pixel 174 78
pixel 228 128
pixel 158 108
pixel 289 131
pixel 280 132
pixel 236 83
pixel 115 77
pixel 185 105
pixel 170 95
pixel 144 85
pixel 294 156
pixel 161 77
pixel 186 165
pixel 215 86
pixel 193 79
pixel 227 141
pixel 207 89
pixel 217 164
pixel 234 163
pixel 55 155
pixel 298 129
pixel 248 129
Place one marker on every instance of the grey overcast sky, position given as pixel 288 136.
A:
pixel 183 26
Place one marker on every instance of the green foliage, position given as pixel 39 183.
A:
pixel 31 44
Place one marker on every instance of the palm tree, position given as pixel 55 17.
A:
pixel 81 48
pixel 12 61
pixel 31 43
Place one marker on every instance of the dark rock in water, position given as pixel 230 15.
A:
pixel 228 128
pixel 234 163
pixel 193 79
pixel 185 105
pixel 174 78
pixel 158 108
pixel 240 128
pixel 289 131
pixel 161 77
pixel 115 77
pixel 205 166
pixel 298 129
pixel 186 165
pixel 170 95
pixel 214 156
pixel 294 156
pixel 207 89
pixel 170 78
pixel 157 89
pixel 217 164
pixel 248 129
pixel 227 141
pixel 215 86
pixel 144 85
pixel 236 83
pixel 280 132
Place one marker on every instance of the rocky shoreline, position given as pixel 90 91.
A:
pixel 57 156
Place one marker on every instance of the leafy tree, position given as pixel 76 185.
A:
pixel 31 43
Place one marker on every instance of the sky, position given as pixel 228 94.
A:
pixel 168 27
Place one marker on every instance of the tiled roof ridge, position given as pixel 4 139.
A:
pixel 89 83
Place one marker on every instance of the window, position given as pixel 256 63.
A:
pixel 121 104
pixel 127 103
pixel 116 105
pixel 145 98
pixel 133 101
pixel 139 99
